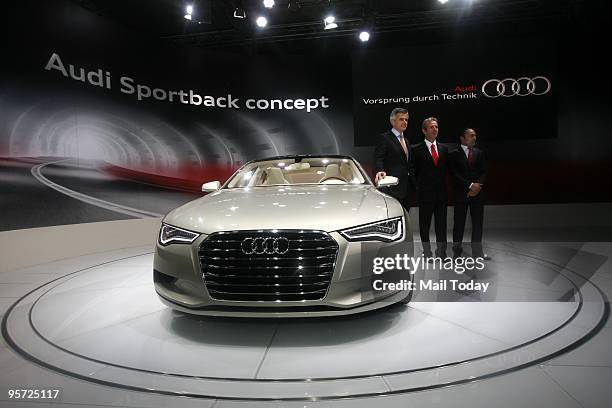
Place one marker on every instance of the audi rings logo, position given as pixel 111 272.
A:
pixel 494 88
pixel 265 245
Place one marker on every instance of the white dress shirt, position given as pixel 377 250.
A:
pixel 396 133
pixel 428 143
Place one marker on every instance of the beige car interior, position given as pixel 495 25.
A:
pixel 275 176
pixel 332 175
pixel 268 174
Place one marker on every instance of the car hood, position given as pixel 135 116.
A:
pixel 328 208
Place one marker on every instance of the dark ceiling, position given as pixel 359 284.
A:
pixel 298 25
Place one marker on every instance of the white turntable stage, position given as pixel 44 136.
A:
pixel 97 320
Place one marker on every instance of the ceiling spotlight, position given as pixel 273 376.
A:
pixel 189 10
pixel 443 1
pixel 329 22
pixel 268 3
pixel 239 12
pixel 364 36
pixel 261 21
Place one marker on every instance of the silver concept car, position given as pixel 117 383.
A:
pixel 282 237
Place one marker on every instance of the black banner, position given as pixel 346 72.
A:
pixel 505 90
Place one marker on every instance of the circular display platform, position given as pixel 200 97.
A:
pixel 105 324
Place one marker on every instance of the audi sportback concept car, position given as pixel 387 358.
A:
pixel 282 237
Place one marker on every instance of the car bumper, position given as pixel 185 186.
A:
pixel 180 285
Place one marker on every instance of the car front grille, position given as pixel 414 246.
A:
pixel 269 266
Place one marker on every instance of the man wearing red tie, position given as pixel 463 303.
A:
pixel 467 166
pixel 430 160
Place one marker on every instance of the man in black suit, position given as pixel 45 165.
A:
pixel 430 160
pixel 468 170
pixel 392 158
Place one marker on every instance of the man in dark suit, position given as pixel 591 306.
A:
pixel 430 160
pixel 392 158
pixel 468 171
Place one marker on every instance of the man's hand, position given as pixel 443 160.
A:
pixel 475 189
pixel 379 176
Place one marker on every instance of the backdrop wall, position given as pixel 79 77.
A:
pixel 100 123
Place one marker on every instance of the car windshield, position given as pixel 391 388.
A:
pixel 297 171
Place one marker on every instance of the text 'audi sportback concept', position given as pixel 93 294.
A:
pixel 283 237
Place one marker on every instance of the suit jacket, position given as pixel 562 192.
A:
pixel 390 158
pixel 463 174
pixel 431 180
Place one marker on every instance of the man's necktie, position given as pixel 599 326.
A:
pixel 403 143
pixel 470 156
pixel 434 154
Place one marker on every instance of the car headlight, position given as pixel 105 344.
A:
pixel 386 231
pixel 169 234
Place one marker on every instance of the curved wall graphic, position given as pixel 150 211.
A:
pixel 95 128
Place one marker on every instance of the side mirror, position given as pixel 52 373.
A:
pixel 211 186
pixel 388 181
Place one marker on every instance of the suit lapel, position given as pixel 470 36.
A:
pixel 441 151
pixel 463 156
pixel 477 153
pixel 426 155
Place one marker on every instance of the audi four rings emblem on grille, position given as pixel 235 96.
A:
pixel 265 245
pixel 523 86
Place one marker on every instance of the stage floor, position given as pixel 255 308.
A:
pixel 94 327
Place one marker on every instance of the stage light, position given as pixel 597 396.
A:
pixel 189 10
pixel 443 1
pixel 364 36
pixel 268 3
pixel 261 21
pixel 329 22
pixel 239 12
